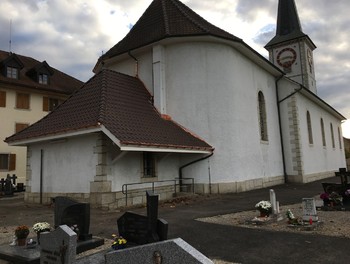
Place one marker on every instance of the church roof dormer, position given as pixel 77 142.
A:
pixel 288 24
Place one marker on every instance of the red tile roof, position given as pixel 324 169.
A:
pixel 59 82
pixel 123 106
pixel 164 19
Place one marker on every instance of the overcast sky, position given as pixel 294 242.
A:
pixel 71 34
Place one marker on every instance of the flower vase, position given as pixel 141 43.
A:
pixel 38 235
pixel 264 214
pixel 21 242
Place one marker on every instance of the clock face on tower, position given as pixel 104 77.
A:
pixel 286 57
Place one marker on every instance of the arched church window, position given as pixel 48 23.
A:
pixel 323 134
pixel 309 127
pixel 339 138
pixel 262 116
pixel 332 135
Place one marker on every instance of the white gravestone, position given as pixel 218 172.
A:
pixel 309 209
pixel 58 246
pixel 273 201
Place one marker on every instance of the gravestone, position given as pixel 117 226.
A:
pixel 273 201
pixel 309 210
pixel 172 251
pixel 69 212
pixel 140 229
pixel 2 185
pixel 8 186
pixel 58 246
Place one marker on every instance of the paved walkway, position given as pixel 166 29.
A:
pixel 243 245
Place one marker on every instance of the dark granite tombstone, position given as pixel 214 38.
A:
pixel 2 185
pixel 69 212
pixel 8 186
pixel 140 229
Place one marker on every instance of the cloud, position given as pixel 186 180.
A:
pixel 71 34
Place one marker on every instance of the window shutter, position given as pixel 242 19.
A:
pixel 23 101
pixel 45 104
pixel 20 126
pixel 2 99
pixel 12 163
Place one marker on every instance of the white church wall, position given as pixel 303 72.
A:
pixel 212 90
pixel 129 169
pixel 68 165
pixel 315 161
pixel 142 67
pixel 318 158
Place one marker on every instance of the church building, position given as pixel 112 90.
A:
pixel 182 105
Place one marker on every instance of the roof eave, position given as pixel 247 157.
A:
pixel 52 137
pixel 313 97
pixel 238 44
pixel 154 147
pixel 165 149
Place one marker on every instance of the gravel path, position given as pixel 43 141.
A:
pixel 331 223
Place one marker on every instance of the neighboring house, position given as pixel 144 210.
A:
pixel 29 89
pixel 181 98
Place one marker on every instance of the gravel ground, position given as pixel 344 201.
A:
pixel 331 223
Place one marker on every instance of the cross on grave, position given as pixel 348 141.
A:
pixel 2 185
pixel 343 174
pixel 13 178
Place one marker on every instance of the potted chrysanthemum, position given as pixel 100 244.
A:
pixel 264 207
pixel 40 228
pixel 21 233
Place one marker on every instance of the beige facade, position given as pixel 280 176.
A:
pixel 29 90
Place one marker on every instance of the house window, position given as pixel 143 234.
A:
pixel 2 99
pixel 50 104
pixel 323 134
pixel 43 78
pixel 309 127
pixel 332 134
pixel 340 138
pixel 20 126
pixel 7 162
pixel 262 117
pixel 149 165
pixel 12 72
pixel 22 101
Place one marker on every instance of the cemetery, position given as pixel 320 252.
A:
pixel 144 237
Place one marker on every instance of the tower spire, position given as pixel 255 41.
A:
pixel 287 19
pixel 288 23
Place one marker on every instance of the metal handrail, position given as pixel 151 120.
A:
pixel 125 186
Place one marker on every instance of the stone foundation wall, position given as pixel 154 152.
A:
pixel 237 187
pixel 310 177
pixel 107 200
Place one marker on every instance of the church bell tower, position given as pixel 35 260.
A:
pixel 290 49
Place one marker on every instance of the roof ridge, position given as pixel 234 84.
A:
pixel 183 8
pixel 166 19
pixel 103 96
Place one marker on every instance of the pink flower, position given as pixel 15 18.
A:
pixel 324 196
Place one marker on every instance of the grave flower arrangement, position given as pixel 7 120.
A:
pixel 336 198
pixel 118 242
pixel 22 232
pixel 41 227
pixel 264 207
pixel 292 219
